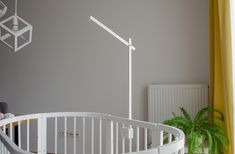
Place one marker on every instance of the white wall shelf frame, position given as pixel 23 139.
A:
pixel 16 40
pixel 3 9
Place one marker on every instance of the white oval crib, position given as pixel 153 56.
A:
pixel 86 133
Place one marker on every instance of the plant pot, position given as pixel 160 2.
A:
pixel 206 150
pixel 201 148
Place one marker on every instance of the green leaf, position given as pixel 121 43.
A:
pixel 179 122
pixel 201 113
pixel 207 111
pixel 202 130
pixel 186 114
pixel 210 141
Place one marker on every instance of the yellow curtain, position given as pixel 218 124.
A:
pixel 221 92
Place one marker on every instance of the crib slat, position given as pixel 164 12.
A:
pixel 123 141
pixel 74 133
pixel 42 134
pixel 5 150
pixel 65 135
pixel 130 145
pixel 2 147
pixel 4 129
pixel 169 138
pixel 137 139
pixel 92 135
pixel 130 142
pixel 182 151
pixel 56 130
pixel 109 137
pixel 161 138
pixel 100 136
pixel 116 130
pixel 28 135
pixel 11 132
pixel 19 134
pixel 145 138
pixel 84 135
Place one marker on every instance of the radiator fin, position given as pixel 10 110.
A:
pixel 165 99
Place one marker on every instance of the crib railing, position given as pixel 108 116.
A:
pixel 86 133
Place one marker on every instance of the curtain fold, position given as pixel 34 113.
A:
pixel 221 92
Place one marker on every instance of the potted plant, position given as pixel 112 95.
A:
pixel 201 131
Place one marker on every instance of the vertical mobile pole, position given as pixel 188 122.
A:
pixel 130 78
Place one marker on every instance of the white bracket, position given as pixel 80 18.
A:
pixel 127 133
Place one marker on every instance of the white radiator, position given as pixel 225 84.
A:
pixel 165 99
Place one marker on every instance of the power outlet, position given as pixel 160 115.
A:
pixel 68 134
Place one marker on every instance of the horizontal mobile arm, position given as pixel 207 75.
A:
pixel 111 32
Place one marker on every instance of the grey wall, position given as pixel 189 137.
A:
pixel 73 65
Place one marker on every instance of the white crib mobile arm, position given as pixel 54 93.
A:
pixel 111 32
